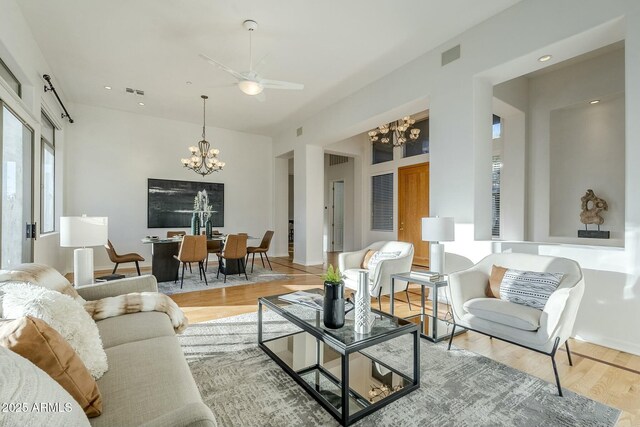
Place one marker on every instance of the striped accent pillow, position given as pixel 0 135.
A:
pixel 529 288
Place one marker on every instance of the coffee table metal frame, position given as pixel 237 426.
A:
pixel 321 335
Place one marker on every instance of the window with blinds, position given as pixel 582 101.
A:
pixel 382 202
pixel 495 196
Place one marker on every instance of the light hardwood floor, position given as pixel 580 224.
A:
pixel 605 375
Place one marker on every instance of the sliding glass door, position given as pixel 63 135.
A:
pixel 16 140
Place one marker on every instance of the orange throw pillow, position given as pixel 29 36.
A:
pixel 43 346
pixel 493 288
pixel 367 257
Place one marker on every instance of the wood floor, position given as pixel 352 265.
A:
pixel 605 375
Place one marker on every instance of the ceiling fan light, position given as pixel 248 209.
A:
pixel 250 87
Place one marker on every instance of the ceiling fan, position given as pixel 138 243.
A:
pixel 250 82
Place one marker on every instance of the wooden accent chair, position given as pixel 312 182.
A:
pixel 262 249
pixel 235 248
pixel 193 249
pixel 121 259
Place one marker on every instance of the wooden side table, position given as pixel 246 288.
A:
pixel 424 281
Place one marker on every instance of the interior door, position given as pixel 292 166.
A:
pixel 17 191
pixel 338 217
pixel 413 205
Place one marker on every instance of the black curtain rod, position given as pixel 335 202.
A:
pixel 53 89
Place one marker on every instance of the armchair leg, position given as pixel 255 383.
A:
pixel 138 268
pixel 115 268
pixel 453 332
pixel 566 345
pixel 555 367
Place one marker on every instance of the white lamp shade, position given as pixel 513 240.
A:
pixel 250 87
pixel 438 229
pixel 83 231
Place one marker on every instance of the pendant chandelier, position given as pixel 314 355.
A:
pixel 203 160
pixel 395 132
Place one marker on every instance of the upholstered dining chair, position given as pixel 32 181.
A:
pixel 262 249
pixel 213 247
pixel 235 248
pixel 122 259
pixel 193 249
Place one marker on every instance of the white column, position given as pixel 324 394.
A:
pixel 308 204
pixel 280 243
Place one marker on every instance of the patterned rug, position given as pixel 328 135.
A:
pixel 244 387
pixel 192 281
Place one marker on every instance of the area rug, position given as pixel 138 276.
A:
pixel 192 281
pixel 244 387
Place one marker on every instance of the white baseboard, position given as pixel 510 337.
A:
pixel 626 346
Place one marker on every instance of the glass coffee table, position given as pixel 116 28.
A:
pixel 351 375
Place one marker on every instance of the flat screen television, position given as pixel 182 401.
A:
pixel 170 203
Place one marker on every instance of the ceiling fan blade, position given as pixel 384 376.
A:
pixel 277 84
pixel 223 67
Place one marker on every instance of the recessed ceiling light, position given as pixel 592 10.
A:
pixel 188 82
pixel 140 103
pixel 595 101
pixel 544 58
pixel 107 87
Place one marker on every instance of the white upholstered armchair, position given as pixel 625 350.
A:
pixel 380 275
pixel 539 330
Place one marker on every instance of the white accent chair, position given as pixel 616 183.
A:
pixel 380 281
pixel 542 331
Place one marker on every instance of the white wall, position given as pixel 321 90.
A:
pixel 110 155
pixel 460 97
pixel 20 52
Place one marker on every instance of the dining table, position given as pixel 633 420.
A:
pixel 164 264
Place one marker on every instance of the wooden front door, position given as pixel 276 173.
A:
pixel 413 205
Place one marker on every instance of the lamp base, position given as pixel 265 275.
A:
pixel 83 266
pixel 436 258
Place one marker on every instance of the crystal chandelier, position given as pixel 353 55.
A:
pixel 203 160
pixel 385 133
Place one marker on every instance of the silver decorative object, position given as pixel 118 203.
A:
pixel 362 314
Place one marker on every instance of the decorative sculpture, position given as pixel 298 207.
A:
pixel 592 206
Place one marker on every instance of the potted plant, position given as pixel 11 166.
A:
pixel 333 308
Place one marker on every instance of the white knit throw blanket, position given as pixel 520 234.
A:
pixel 135 303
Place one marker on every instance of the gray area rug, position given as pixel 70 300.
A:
pixel 244 387
pixel 192 281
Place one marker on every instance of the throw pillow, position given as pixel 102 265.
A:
pixel 378 257
pixel 33 398
pixel 36 341
pixel 529 288
pixel 367 258
pixel 63 314
pixel 493 287
pixel 40 275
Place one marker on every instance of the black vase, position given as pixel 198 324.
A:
pixel 333 309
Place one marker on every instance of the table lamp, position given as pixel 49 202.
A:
pixel 82 232
pixel 436 230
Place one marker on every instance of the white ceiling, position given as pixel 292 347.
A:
pixel 334 47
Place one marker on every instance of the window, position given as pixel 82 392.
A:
pixel 495 196
pixel 381 152
pixel 497 127
pixel 382 202
pixel 48 181
pixel 420 145
pixel 10 78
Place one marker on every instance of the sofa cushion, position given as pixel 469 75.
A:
pixel 530 288
pixel 38 342
pixel 504 312
pixel 146 380
pixel 35 398
pixel 134 327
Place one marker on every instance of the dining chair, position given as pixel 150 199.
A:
pixel 235 248
pixel 193 249
pixel 262 249
pixel 213 247
pixel 121 259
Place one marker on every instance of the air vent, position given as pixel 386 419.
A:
pixel 450 55
pixel 337 160
pixel 134 91
pixel 299 131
